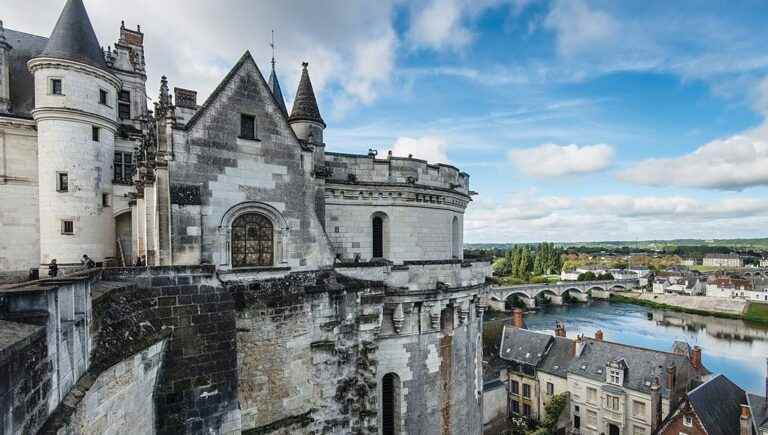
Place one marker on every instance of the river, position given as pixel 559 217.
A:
pixel 734 348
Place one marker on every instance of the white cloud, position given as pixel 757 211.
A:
pixel 439 24
pixel 528 216
pixel 731 163
pixel 350 49
pixel 429 148
pixel 552 160
pixel 580 28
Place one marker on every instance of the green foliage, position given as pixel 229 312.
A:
pixel 521 262
pixel 514 301
pixel 552 411
pixel 605 277
pixel 587 276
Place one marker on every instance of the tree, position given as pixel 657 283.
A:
pixel 587 276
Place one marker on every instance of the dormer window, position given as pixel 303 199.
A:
pixel 614 372
pixel 614 377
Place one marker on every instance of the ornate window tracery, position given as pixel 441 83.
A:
pixel 252 241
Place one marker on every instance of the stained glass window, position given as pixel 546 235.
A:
pixel 252 241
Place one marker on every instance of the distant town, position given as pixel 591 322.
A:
pixel 541 377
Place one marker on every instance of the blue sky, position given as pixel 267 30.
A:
pixel 577 120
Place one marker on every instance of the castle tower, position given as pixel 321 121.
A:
pixel 5 72
pixel 305 117
pixel 76 116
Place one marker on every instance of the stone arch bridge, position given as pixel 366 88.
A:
pixel 580 290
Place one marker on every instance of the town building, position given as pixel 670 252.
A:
pixel 691 261
pixel 280 287
pixel 716 407
pixel 763 262
pixel 679 282
pixel 612 388
pixel 723 260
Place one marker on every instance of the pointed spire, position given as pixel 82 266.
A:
pixel 274 85
pixel 305 104
pixel 73 37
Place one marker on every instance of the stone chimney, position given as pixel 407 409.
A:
pixel 599 335
pixel 517 318
pixel 671 381
pixel 578 346
pixel 655 404
pixel 745 425
pixel 696 357
pixel 559 329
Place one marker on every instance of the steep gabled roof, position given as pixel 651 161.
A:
pixel 274 86
pixel 22 84
pixel 524 346
pixel 305 104
pixel 73 37
pixel 246 57
pixel 717 403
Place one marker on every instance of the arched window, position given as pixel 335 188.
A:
pixel 455 238
pixel 390 404
pixel 252 241
pixel 378 237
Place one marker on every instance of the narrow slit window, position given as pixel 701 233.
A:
pixel 62 182
pixel 247 126
pixel 105 200
pixel 95 133
pixel 103 95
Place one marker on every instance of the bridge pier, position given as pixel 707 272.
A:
pixel 556 300
pixel 496 305
pixel 600 294
pixel 529 302
pixel 579 296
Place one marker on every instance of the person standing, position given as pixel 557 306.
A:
pixel 53 269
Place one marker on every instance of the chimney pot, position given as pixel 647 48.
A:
pixel 517 318
pixel 559 329
pixel 696 357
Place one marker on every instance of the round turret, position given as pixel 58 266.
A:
pixel 305 116
pixel 75 113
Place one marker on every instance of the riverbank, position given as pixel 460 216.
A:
pixel 702 305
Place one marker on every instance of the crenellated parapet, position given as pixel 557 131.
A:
pixel 394 171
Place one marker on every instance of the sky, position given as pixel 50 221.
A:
pixel 577 120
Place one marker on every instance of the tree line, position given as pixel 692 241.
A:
pixel 522 262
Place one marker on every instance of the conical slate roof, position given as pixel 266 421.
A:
pixel 73 37
pixel 274 86
pixel 305 104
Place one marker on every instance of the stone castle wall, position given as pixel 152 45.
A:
pixel 227 170
pixel 307 354
pixel 25 379
pixel 19 220
pixel 365 169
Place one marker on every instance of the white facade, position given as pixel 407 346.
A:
pixel 68 126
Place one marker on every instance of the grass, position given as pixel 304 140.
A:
pixel 705 269
pixel 757 312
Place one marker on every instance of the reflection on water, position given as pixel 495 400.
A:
pixel 735 348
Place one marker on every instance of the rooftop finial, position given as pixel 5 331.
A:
pixel 272 44
pixel 305 64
